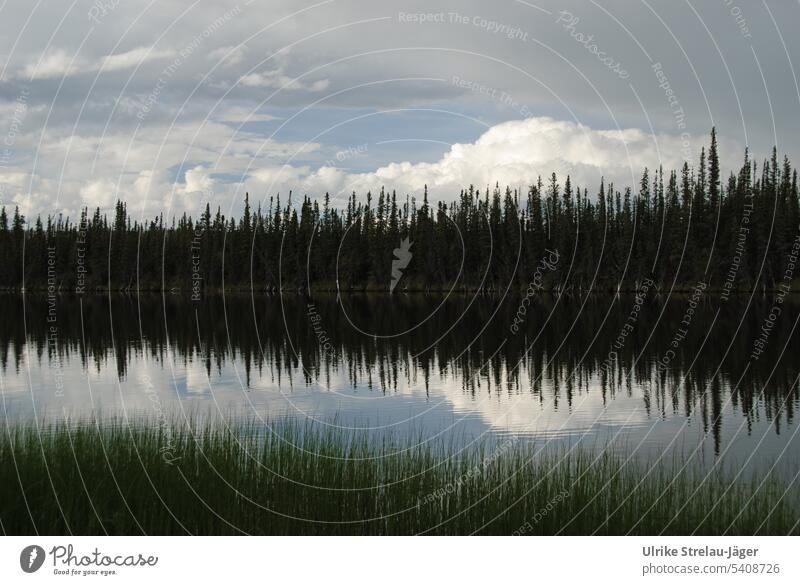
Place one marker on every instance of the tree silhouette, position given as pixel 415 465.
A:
pixel 677 227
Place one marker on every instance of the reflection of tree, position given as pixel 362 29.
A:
pixel 382 342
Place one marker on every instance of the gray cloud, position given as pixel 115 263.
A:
pixel 130 99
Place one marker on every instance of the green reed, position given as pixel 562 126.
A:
pixel 196 477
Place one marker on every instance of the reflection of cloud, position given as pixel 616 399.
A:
pixel 196 377
pixel 552 416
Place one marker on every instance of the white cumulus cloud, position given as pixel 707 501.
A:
pixel 513 153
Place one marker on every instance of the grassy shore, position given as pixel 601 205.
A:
pixel 145 477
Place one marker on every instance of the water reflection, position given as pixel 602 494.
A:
pixel 632 370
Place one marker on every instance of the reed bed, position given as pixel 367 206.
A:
pixel 208 478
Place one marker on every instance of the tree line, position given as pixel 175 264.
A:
pixel 677 228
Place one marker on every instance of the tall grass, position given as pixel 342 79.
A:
pixel 205 478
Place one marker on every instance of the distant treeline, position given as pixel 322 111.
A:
pixel 678 228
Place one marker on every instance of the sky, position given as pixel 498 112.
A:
pixel 168 105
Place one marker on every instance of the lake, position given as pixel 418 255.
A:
pixel 690 376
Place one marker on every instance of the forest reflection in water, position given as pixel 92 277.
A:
pixel 655 371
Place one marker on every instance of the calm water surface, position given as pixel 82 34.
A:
pixel 676 376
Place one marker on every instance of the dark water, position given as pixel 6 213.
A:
pixel 710 380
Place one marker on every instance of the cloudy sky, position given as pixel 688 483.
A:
pixel 170 104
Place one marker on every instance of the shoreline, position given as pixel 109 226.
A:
pixel 290 478
pixel 488 291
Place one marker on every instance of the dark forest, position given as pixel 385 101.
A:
pixel 677 228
